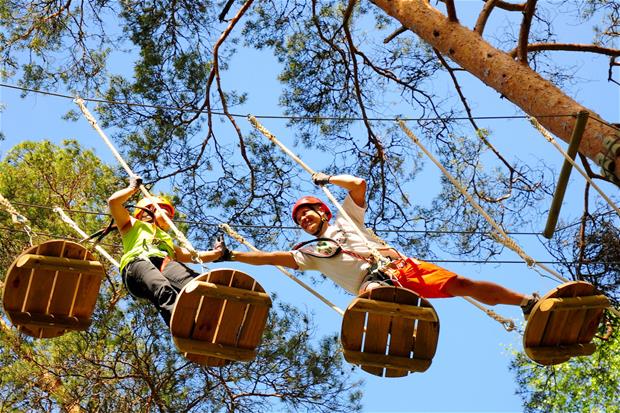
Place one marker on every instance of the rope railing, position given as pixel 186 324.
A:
pixel 179 235
pixel 501 236
pixel 77 229
pixel 16 217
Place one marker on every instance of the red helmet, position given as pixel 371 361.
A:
pixel 311 201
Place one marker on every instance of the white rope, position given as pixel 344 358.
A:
pixel 16 217
pixel 551 140
pixel 179 235
pixel 242 240
pixel 77 229
pixel 501 236
pixel 379 258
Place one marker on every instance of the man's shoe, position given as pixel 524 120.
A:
pixel 220 244
pixel 527 308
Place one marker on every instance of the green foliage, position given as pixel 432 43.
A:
pixel 583 384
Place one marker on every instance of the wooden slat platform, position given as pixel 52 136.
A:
pixel 390 332
pixel 563 323
pixel 220 316
pixel 52 288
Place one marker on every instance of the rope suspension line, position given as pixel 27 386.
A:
pixel 237 115
pixel 180 236
pixel 501 236
pixel 545 133
pixel 285 227
pixel 379 258
pixel 77 229
pixel 17 218
pixel 283 270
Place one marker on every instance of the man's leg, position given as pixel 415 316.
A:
pixel 484 291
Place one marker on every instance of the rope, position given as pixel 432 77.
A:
pixel 283 270
pixel 17 218
pixel 314 118
pixel 184 241
pixel 379 258
pixel 507 323
pixel 501 237
pixel 551 140
pixel 77 229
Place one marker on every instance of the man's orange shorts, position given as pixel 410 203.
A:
pixel 426 279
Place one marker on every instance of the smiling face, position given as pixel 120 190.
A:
pixel 159 219
pixel 309 220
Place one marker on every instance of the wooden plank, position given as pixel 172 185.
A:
pixel 214 350
pixel 254 324
pixel 380 360
pixel 394 309
pixel 88 289
pixel 208 318
pixel 590 324
pixel 45 262
pixel 183 315
pixel 559 321
pixel 234 314
pixel 559 352
pixel 401 333
pixel 574 303
pixel 50 320
pixel 16 284
pixel 377 330
pixel 352 329
pixel 242 295
pixel 42 280
pixel 67 284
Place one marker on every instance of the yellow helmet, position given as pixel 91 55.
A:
pixel 146 202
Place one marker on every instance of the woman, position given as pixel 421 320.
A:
pixel 151 265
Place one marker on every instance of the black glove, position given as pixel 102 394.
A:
pixel 135 182
pixel 320 178
pixel 219 244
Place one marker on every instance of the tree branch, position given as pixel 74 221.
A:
pixel 508 6
pixel 569 47
pixel 451 11
pixel 524 33
pixel 484 15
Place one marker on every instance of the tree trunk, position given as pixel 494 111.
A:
pixel 517 82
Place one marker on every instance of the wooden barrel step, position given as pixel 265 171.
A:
pixel 390 332
pixel 563 323
pixel 220 317
pixel 52 288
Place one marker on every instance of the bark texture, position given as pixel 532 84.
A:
pixel 517 82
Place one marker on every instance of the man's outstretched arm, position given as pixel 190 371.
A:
pixel 282 258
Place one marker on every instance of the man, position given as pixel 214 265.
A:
pixel 350 263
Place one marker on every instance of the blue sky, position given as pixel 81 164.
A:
pixel 470 370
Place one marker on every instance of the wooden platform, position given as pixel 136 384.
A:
pixel 563 323
pixel 220 316
pixel 390 332
pixel 52 288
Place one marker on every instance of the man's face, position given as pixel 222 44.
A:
pixel 309 220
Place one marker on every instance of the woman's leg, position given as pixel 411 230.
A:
pixel 483 291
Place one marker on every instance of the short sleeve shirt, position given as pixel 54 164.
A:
pixel 145 240
pixel 345 270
